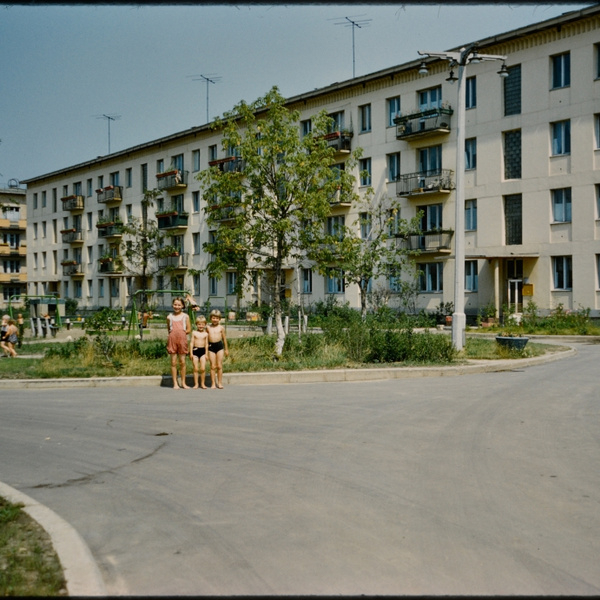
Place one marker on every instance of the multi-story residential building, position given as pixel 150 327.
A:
pixel 13 249
pixel 532 182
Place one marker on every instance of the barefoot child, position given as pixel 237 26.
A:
pixel 217 347
pixel 10 337
pixel 178 324
pixel 199 351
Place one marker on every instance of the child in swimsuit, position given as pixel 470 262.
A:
pixel 217 347
pixel 10 337
pixel 178 324
pixel 199 351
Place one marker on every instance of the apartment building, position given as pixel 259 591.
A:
pixel 531 183
pixel 13 247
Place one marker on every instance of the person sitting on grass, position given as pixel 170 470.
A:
pixel 178 324
pixel 199 352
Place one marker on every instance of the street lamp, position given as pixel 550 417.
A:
pixel 460 60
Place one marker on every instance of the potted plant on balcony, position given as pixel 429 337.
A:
pixel 68 263
pixel 105 258
pixel 166 213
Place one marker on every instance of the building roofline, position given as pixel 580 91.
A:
pixel 521 32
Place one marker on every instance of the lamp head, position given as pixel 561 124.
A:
pixel 423 70
pixel 503 72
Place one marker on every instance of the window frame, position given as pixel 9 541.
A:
pixel 365 118
pixel 561 205
pixel 471 214
pixel 562 273
pixel 560 137
pixel 560 70
pixel 391 104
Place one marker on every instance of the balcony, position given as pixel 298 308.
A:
pixel 172 180
pixel 229 164
pixel 109 194
pixel 224 212
pixel 73 202
pixel 340 141
pixel 424 123
pixel 428 242
pixel 339 200
pixel 110 266
pixel 8 251
pixel 110 229
pixel 72 268
pixel 438 181
pixel 11 278
pixel 13 224
pixel 175 262
pixel 72 236
pixel 172 220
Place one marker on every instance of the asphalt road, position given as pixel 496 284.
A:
pixel 481 484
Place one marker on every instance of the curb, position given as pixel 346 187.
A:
pixel 79 567
pixel 282 377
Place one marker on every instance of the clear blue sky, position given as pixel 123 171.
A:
pixel 63 66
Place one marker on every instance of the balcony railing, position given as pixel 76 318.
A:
pixel 174 179
pixel 72 236
pixel 20 277
pixel 13 251
pixel 73 202
pixel 426 182
pixel 223 212
pixel 110 230
pixel 340 141
pixel 72 269
pixel 110 266
pixel 178 261
pixel 111 193
pixel 172 220
pixel 229 164
pixel 428 241
pixel 338 200
pixel 423 123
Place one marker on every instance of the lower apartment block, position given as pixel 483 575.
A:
pixel 531 185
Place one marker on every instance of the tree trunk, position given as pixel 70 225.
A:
pixel 363 301
pixel 277 314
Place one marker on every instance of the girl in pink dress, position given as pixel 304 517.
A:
pixel 179 327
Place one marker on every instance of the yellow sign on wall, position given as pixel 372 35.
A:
pixel 528 289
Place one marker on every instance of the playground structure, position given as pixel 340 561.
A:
pixel 45 313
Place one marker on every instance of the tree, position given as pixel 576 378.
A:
pixel 268 200
pixel 370 248
pixel 143 244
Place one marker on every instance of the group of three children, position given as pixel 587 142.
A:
pixel 207 340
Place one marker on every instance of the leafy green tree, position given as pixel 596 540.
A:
pixel 268 201
pixel 143 244
pixel 368 249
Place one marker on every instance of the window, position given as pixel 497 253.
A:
pixel 430 160
pixel 512 91
pixel 43 229
pixel 115 178
pixel 471 93
pixel 597 131
pixel 394 281
pixel 144 175
pixel 100 288
pixel 231 279
pixel 160 166
pixel 513 219
pixel 471 153
pixel 597 49
pixel 597 201
pixel 335 283
pixel 90 188
pixel 364 117
pixel 562 269
pixel 90 254
pixel 471 276
pixel 305 127
pixel 89 221
pixel 561 70
pixel 394 220
pixel 195 160
pixel 129 177
pixel 196 284
pixel 365 171
pixel 393 110
pixel 128 213
pixel 512 154
pixel 336 225
pixel 54 199
pixel 196 201
pixel 338 121
pixel 213 286
pixel 43 199
pixel 430 98
pixel 177 162
pixel 393 164
pixel 212 153
pixel 561 205
pixel 196 242
pixel 77 292
pixel 561 137
pixel 365 226
pixel 35 201
pixel 100 185
pixel 307 281
pixel 430 277
pixel 470 215
pixel 431 218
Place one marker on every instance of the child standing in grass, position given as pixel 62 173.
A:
pixel 199 352
pixel 10 338
pixel 217 347
pixel 179 328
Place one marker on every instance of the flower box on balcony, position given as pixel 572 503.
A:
pixel 168 213
pixel 71 197
pixel 71 230
pixel 68 263
pixel 105 224
pixel 105 259
pixel 167 173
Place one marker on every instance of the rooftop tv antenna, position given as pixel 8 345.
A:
pixel 109 118
pixel 354 22
pixel 209 78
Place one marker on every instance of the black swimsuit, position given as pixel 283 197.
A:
pixel 216 346
pixel 199 351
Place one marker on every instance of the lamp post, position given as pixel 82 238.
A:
pixel 460 60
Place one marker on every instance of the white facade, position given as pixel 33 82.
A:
pixel 533 201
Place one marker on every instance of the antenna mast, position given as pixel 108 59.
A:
pixel 353 22
pixel 209 78
pixel 109 118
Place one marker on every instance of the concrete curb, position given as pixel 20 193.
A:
pixel 80 569
pixel 282 377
